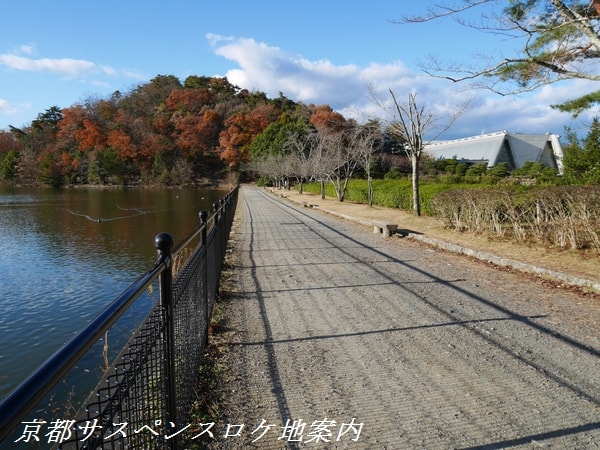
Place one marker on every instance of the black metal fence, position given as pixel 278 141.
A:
pixel 145 398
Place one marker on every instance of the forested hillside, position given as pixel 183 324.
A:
pixel 162 132
pixel 205 129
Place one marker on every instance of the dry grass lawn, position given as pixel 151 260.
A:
pixel 579 264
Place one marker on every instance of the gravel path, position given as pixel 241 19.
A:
pixel 345 339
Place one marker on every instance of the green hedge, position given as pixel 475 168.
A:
pixel 554 216
pixel 390 193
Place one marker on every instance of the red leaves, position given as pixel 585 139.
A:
pixel 239 132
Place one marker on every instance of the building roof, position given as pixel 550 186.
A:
pixel 513 148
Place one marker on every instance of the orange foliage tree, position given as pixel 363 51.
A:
pixel 121 141
pixel 240 130
pixel 191 101
pixel 323 118
pixel 90 136
pixel 197 135
pixel 158 128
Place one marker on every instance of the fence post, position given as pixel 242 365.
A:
pixel 203 218
pixel 163 243
pixel 216 209
pixel 203 242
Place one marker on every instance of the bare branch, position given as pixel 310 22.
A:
pixel 440 11
pixel 559 39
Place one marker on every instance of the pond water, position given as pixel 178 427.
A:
pixel 66 254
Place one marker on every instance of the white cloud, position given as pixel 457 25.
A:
pixel 61 66
pixel 349 89
pixel 134 75
pixel 216 39
pixel 10 111
pixel 531 113
pixel 21 60
pixel 272 70
pixel 7 108
pixel 27 49
pixel 48 71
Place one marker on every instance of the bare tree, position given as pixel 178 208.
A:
pixel 341 156
pixel 266 167
pixel 301 151
pixel 410 124
pixel 367 140
pixel 320 163
pixel 560 40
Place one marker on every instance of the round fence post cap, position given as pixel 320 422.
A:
pixel 163 242
pixel 203 216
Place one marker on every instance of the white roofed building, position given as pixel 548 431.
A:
pixel 515 149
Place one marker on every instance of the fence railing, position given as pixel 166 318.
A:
pixel 146 394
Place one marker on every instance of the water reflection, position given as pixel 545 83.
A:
pixel 65 254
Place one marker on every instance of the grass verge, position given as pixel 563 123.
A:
pixel 206 408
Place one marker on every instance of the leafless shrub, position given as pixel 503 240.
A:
pixel 565 217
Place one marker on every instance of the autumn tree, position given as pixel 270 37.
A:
pixel 90 135
pixel 88 123
pixel 193 123
pixel 8 142
pixel 196 137
pixel 559 40
pixel 240 130
pixel 67 145
pixel 143 100
pixel 121 141
pixel 326 119
pixel 160 131
pixel 190 101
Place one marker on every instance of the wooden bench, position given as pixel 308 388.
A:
pixel 384 228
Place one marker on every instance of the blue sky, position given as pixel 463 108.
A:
pixel 324 52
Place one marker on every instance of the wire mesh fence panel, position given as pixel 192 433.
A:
pixel 191 321
pixel 146 394
pixel 131 403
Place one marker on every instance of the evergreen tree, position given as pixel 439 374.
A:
pixel 582 164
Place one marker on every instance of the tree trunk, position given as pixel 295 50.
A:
pixel 339 190
pixel 415 185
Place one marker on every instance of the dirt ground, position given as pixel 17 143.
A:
pixel 335 337
pixel 584 265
